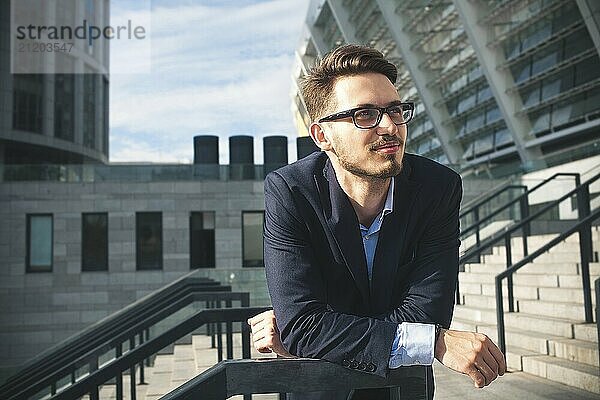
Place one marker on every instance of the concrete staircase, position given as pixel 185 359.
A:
pixel 547 335
pixel 171 370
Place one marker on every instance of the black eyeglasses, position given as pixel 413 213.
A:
pixel 370 117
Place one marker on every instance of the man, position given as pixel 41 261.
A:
pixel 361 240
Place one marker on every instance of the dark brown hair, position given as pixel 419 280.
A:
pixel 347 60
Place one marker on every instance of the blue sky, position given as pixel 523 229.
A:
pixel 217 67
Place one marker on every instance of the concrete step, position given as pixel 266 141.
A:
pixel 478 315
pixel 552 309
pixel 574 350
pixel 532 341
pixel 586 332
pixel 537 268
pixel 517 248
pixel 522 292
pixel 571 257
pixel 564 294
pixel 475 300
pixel 563 371
pixel 543 324
pixel 574 281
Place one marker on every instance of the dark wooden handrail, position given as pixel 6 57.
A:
pixel 235 377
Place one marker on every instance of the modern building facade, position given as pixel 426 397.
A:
pixel 506 83
pixel 56 118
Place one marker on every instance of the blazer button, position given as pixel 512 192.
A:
pixel 353 364
pixel 371 367
pixel 362 366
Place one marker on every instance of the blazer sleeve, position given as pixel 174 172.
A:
pixel 433 273
pixel 308 326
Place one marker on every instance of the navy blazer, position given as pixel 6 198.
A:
pixel 316 268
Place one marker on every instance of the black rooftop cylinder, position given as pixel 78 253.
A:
pixel 241 157
pixel 305 146
pixel 241 149
pixel 275 150
pixel 206 149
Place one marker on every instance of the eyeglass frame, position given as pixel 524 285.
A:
pixel 382 110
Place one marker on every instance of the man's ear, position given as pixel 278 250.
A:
pixel 318 136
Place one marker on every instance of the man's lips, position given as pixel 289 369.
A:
pixel 389 147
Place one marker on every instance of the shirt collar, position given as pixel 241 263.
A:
pixel 388 207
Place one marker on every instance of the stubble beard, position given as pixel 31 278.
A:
pixel 387 169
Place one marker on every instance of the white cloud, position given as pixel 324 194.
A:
pixel 215 70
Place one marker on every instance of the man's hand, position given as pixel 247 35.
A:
pixel 265 334
pixel 470 353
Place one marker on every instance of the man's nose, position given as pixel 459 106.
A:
pixel 386 126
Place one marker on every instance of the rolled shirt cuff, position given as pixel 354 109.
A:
pixel 413 345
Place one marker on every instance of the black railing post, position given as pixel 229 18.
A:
pixel 526 231
pixel 229 333
pixel 147 333
pixel 219 336
pixel 142 378
pixel 585 249
pixel 597 285
pixel 511 306
pixel 457 292
pixel 94 392
pixel 132 386
pixel 212 329
pixel 245 329
pixel 476 218
pixel 500 316
pixel 119 377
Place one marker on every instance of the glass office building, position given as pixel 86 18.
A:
pixel 499 86
pixel 56 118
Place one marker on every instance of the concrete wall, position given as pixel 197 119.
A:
pixel 41 309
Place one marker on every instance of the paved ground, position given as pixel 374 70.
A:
pixel 514 385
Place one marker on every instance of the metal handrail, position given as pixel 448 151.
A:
pixel 100 337
pixel 235 377
pixel 489 242
pixel 597 286
pixel 111 320
pixel 522 199
pixel 583 203
pixel 63 368
pixel 581 226
pixel 127 361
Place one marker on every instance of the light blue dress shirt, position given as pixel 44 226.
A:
pixel 414 342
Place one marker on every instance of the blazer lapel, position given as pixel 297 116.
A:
pixel 391 245
pixel 343 225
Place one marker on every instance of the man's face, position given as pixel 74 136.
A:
pixel 369 153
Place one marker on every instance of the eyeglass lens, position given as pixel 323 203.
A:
pixel 369 117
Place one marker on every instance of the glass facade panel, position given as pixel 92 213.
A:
pixel 252 238
pixel 89 109
pixel 484 144
pixel 64 106
pixel 540 121
pixel 39 242
pixel 502 138
pixel 587 71
pixel 202 240
pixel 28 93
pixel 148 228
pixel 94 242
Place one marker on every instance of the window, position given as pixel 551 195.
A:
pixel 27 98
pixel 252 238
pixel 39 242
pixel 94 242
pixel 89 109
pixel 202 240
pixel 148 240
pixel 64 106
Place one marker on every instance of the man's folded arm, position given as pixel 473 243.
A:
pixel 430 285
